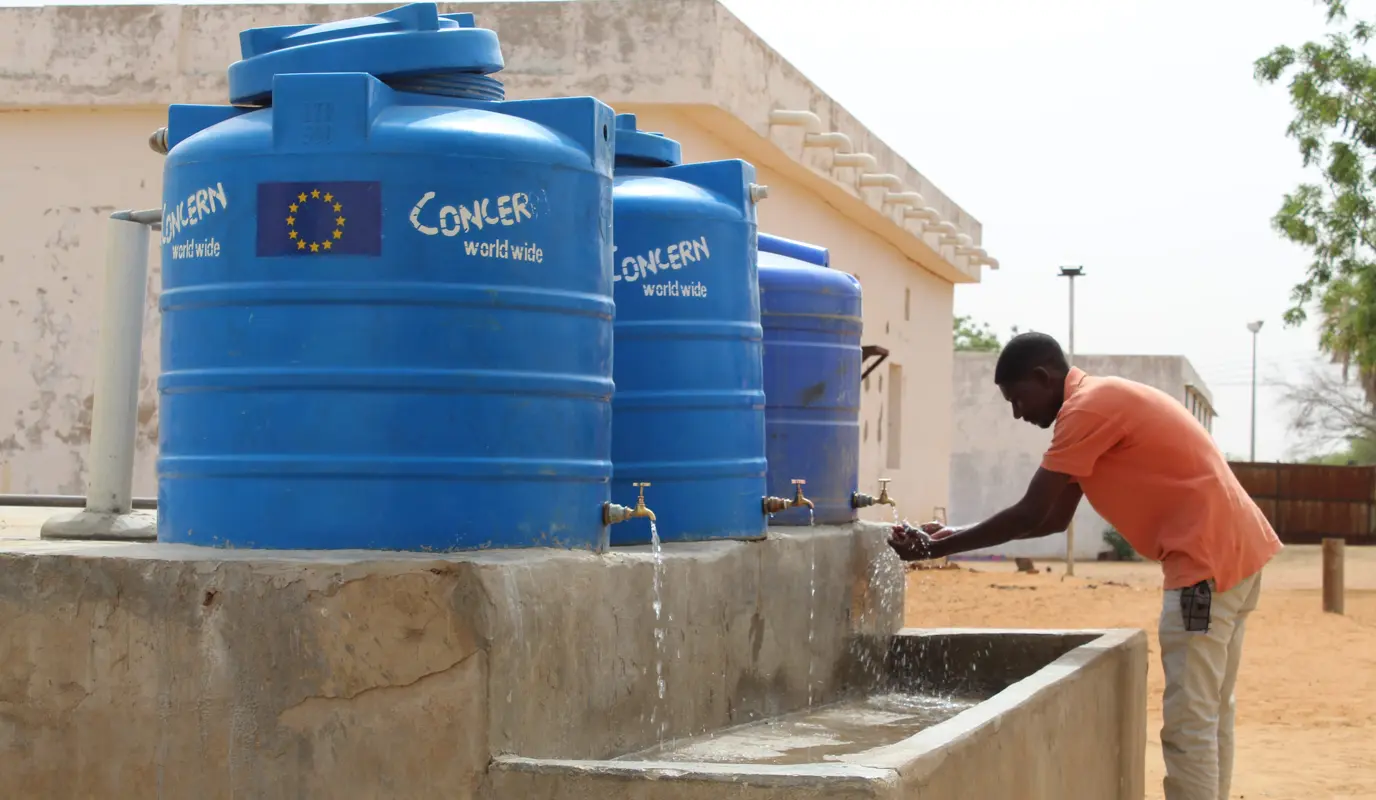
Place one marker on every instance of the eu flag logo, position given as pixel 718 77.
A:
pixel 320 218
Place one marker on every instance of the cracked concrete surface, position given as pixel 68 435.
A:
pixel 173 671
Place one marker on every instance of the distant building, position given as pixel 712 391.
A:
pixel 993 456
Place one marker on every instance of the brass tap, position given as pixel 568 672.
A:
pixel 640 509
pixel 884 499
pixel 613 513
pixel 773 505
pixel 861 500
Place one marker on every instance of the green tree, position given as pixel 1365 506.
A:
pixel 1333 91
pixel 976 337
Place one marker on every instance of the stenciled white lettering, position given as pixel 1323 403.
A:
pixel 196 248
pixel 471 215
pixel 674 289
pixel 503 248
pixel 198 205
pixel 662 259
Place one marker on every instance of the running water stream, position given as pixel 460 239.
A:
pixel 658 551
pixel 811 608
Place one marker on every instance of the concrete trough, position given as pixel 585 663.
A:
pixel 1048 698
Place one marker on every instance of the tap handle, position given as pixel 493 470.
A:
pixel 799 482
pixel 884 482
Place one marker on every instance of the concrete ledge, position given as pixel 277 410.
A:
pixel 136 669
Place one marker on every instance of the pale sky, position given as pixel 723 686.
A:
pixel 1127 136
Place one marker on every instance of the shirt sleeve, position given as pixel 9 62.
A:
pixel 1078 441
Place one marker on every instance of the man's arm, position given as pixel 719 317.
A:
pixel 1049 496
pixel 1061 513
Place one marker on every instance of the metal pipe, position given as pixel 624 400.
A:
pixel 65 501
pixel 114 422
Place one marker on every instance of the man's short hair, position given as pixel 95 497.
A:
pixel 1024 353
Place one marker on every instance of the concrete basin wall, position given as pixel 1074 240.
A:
pixel 131 670
pixel 1066 719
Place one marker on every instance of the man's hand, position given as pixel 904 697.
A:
pixel 918 544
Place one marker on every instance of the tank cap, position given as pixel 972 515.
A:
pixel 413 39
pixel 642 148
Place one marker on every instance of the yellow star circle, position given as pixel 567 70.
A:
pixel 331 205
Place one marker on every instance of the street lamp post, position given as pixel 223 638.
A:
pixel 1072 273
pixel 1255 328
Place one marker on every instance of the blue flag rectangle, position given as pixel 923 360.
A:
pixel 320 218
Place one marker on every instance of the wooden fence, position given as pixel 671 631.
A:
pixel 1308 502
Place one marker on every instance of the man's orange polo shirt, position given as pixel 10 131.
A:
pixel 1150 469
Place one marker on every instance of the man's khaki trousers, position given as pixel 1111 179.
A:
pixel 1198 708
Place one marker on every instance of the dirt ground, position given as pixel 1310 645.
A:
pixel 1306 720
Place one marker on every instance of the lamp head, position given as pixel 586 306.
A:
pixel 1254 326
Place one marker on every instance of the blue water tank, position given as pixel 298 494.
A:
pixel 812 362
pixel 688 414
pixel 387 299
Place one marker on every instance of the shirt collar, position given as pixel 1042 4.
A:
pixel 1073 379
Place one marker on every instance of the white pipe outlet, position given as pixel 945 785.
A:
pixel 928 215
pixel 796 119
pixel 833 140
pixel 908 199
pixel 881 179
pixel 860 160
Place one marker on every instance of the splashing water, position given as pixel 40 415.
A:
pixel 658 550
pixel 658 603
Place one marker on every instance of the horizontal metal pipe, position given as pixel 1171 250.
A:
pixel 65 501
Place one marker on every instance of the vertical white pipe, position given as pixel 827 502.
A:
pixel 115 414
pixel 1070 528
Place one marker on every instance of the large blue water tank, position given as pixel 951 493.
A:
pixel 812 361
pixel 387 300
pixel 688 414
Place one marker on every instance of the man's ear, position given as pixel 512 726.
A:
pixel 1042 376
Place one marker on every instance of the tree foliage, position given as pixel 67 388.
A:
pixel 1333 91
pixel 977 337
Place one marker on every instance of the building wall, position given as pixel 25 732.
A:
pixel 993 456
pixel 62 171
pixel 52 233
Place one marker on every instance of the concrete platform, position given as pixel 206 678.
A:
pixel 132 669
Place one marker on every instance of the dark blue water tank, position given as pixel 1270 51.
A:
pixel 688 414
pixel 812 361
pixel 387 300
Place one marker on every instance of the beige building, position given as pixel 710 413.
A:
pixel 81 89
pixel 993 455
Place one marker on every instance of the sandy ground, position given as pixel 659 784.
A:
pixel 1306 725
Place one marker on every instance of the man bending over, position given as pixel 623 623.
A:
pixel 1153 472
